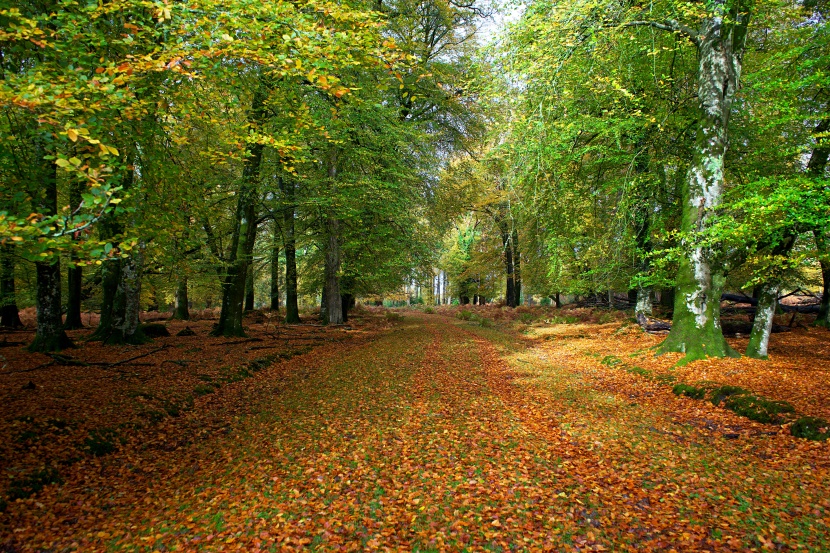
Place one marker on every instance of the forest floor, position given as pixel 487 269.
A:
pixel 420 432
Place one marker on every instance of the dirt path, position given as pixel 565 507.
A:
pixel 441 436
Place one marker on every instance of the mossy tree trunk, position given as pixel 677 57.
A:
pixel 9 314
pixel 244 235
pixel 126 327
pixel 696 329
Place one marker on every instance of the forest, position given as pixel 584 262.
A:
pixel 511 245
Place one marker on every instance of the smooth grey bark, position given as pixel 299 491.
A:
pixel 696 329
pixel 9 314
pixel 181 309
pixel 126 308
pixel 292 310
pixel 50 335
pixel 244 234
pixel 766 306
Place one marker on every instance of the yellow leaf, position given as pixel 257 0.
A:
pixel 72 134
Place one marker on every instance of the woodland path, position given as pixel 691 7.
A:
pixel 438 436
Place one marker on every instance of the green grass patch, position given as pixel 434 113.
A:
pixel 811 428
pixel 722 392
pixel 101 441
pixel 688 390
pixel 27 486
pixel 759 409
pixel 611 361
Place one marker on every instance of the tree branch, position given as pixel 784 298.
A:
pixel 669 25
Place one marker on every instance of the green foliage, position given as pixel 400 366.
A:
pixel 464 315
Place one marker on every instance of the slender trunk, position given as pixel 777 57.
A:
pixel 126 306
pixel 823 247
pixel 50 335
pixel 815 169
pixel 509 269
pixel 517 267
pixel 275 270
pixel 334 305
pixel 181 310
pixel 9 315
pixel 242 246
pixel 696 329
pixel 762 325
pixel 75 274
pixel 249 289
pixel 292 310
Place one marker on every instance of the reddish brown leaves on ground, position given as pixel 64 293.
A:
pixel 436 434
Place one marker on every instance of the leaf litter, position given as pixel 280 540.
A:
pixel 434 434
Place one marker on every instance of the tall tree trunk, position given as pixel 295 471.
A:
pixel 112 229
pixel 9 315
pixel 126 306
pixel 275 270
pixel 242 246
pixel 181 309
pixel 815 169
pixel 696 329
pixel 50 335
pixel 509 269
pixel 292 310
pixel 334 304
pixel 75 274
pixel 767 304
pixel 249 288
pixel 517 267
pixel 823 246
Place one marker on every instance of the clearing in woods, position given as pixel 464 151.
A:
pixel 437 434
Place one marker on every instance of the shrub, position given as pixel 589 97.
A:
pixel 429 310
pixel 811 428
pixel 464 315
pixel 485 322
pixel 759 409
pixel 689 391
